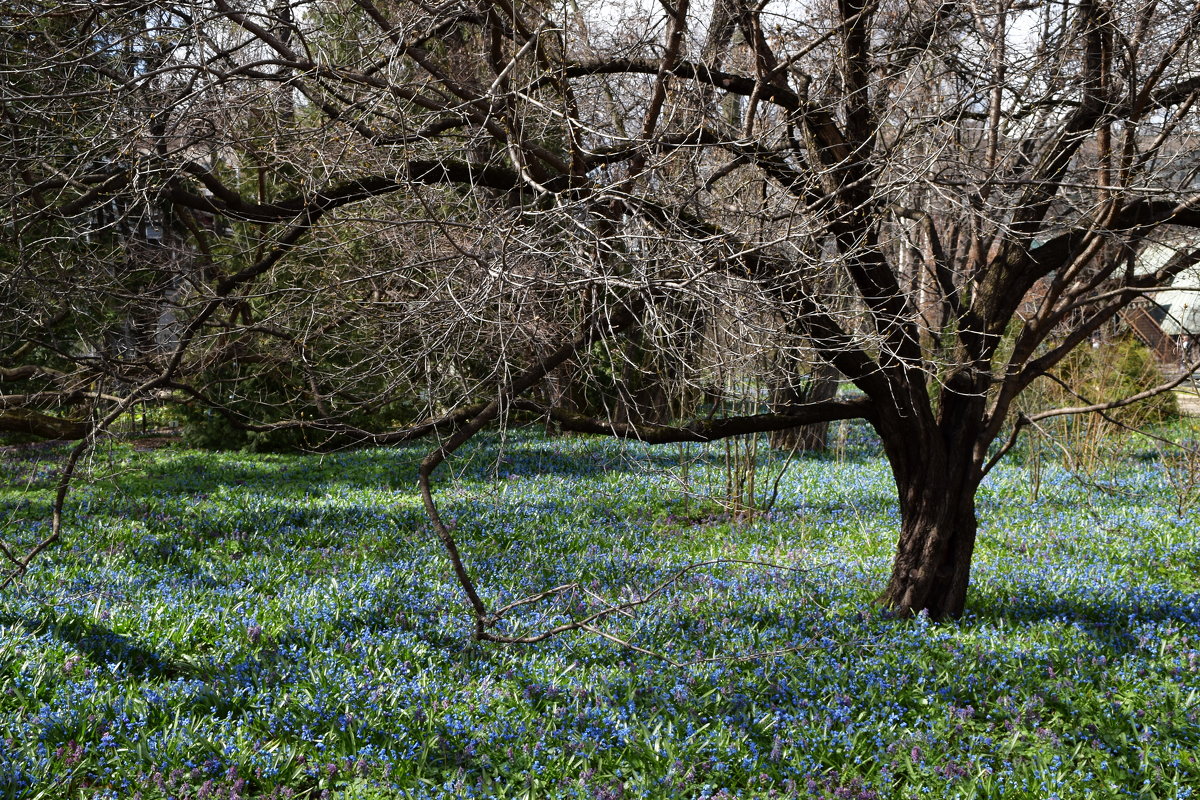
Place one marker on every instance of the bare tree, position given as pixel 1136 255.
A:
pixel 501 208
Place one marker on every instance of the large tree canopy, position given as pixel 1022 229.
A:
pixel 340 214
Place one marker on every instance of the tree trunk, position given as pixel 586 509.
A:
pixel 821 385
pixel 937 474
pixel 648 385
pixel 932 567
pixel 34 423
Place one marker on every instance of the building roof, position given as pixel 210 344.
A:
pixel 1180 303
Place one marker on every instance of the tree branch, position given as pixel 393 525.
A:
pixel 709 430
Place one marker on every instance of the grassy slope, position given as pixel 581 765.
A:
pixel 237 626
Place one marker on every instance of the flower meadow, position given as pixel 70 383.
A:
pixel 222 625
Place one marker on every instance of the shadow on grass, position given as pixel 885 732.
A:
pixel 1110 621
pixel 188 473
pixel 101 646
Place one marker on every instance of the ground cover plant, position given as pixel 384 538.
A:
pixel 235 626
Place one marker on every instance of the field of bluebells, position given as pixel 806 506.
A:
pixel 235 626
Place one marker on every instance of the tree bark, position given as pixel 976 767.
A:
pixel 934 463
pixel 34 423
pixel 932 566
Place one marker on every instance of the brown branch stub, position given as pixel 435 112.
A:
pixel 27 371
pixel 30 422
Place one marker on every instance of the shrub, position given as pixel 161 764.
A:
pixel 1113 371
